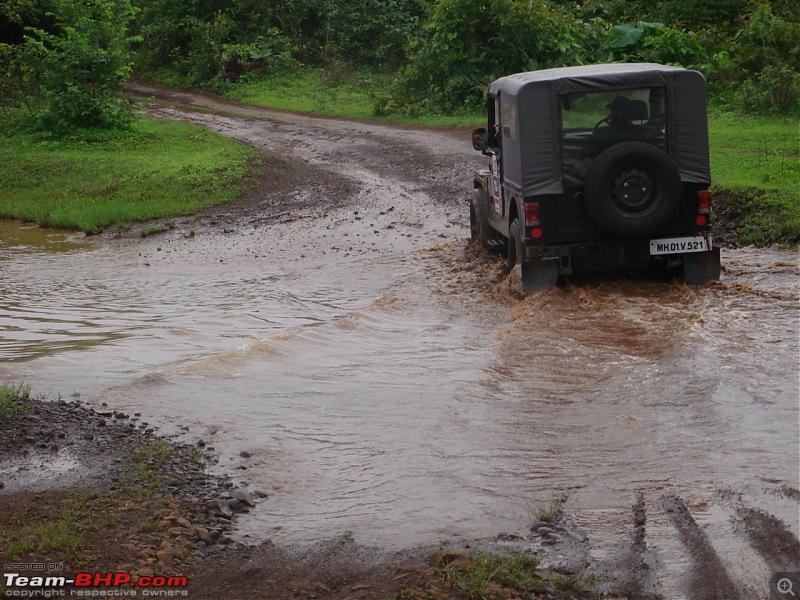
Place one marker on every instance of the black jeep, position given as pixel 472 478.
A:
pixel 596 167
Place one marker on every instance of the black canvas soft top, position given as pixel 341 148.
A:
pixel 532 160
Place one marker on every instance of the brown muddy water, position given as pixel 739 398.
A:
pixel 384 383
pixel 383 396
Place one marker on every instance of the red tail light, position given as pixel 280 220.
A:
pixel 532 214
pixel 704 202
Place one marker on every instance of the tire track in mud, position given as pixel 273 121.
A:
pixel 770 537
pixel 707 578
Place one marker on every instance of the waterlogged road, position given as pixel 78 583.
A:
pixel 385 381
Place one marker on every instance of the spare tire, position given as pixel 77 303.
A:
pixel 632 189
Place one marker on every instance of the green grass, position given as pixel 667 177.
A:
pixel 549 513
pixel 9 395
pixel 160 169
pixel 61 532
pixel 757 162
pixel 340 94
pixel 509 575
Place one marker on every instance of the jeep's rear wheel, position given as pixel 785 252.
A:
pixel 516 247
pixel 632 189
pixel 480 232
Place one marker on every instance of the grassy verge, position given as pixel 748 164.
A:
pixel 159 169
pixel 755 165
pixel 340 93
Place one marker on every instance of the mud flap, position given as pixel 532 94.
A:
pixel 702 267
pixel 539 275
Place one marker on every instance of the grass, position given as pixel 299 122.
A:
pixel 160 228
pixel 160 169
pixel 61 532
pixel 755 162
pixel 148 471
pixel 549 513
pixel 9 395
pixel 509 576
pixel 339 93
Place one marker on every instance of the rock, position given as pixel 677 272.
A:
pixel 244 497
pixel 445 556
pixel 202 534
pixel 235 505
pixel 143 572
pixel 260 494
pixel 219 507
pixel 245 454
pixel 182 522
pixel 165 556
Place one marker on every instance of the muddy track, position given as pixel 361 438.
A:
pixel 388 381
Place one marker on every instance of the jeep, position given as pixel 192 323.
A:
pixel 596 167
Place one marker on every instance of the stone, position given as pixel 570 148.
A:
pixel 243 497
pixel 165 556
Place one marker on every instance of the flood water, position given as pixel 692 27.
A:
pixel 392 396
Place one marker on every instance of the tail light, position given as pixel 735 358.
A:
pixel 532 220
pixel 532 214
pixel 704 202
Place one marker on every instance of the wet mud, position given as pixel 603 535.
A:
pixel 338 344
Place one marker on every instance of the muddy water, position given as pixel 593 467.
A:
pixel 391 396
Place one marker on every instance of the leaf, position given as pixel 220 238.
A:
pixel 623 36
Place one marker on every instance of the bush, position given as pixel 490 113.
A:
pixel 67 75
pixel 465 44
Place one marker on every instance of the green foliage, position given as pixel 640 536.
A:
pixel 465 44
pixel 70 64
pixel 207 42
pixel 158 169
pixel 653 42
pixel 769 63
pixel 704 14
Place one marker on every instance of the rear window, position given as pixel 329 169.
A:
pixel 592 122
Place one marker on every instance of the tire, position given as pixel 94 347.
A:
pixel 632 189
pixel 516 248
pixel 480 232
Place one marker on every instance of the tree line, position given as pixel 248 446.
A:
pixel 64 60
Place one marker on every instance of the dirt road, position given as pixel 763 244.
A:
pixel 339 345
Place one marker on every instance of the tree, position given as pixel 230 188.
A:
pixel 73 57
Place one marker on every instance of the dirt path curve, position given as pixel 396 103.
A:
pixel 379 166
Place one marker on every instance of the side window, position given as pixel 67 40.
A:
pixel 509 119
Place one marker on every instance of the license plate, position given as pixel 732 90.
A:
pixel 680 245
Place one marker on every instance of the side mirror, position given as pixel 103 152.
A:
pixel 480 139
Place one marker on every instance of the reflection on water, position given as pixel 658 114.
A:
pixel 18 238
pixel 375 398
